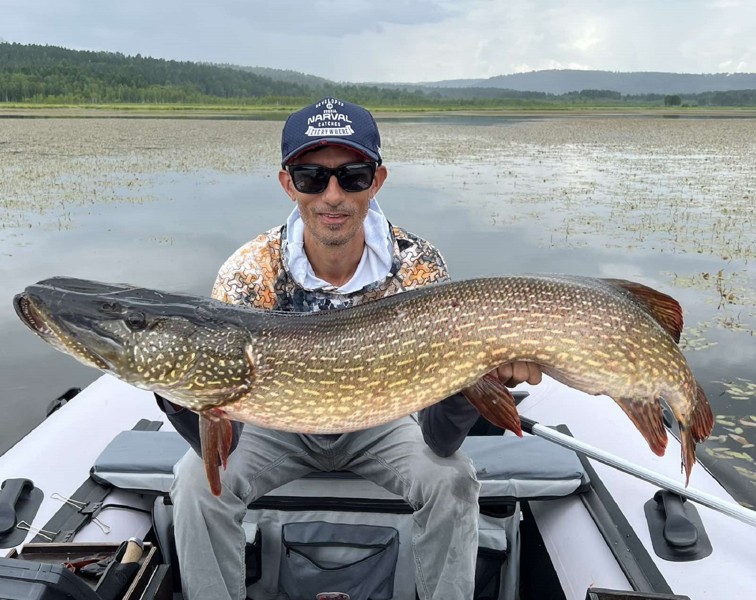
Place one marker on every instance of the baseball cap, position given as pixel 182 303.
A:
pixel 330 122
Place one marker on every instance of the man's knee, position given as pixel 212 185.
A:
pixel 452 476
pixel 190 482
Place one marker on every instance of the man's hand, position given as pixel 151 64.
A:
pixel 511 374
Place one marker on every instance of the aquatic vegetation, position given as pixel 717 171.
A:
pixel 740 389
pixel 49 166
pixel 636 187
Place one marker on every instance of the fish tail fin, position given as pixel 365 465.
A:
pixel 701 424
pixel 215 438
pixel 688 452
pixel 495 402
pixel 702 419
pixel 647 418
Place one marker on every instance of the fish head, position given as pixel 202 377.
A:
pixel 176 345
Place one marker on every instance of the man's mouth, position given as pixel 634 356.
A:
pixel 333 218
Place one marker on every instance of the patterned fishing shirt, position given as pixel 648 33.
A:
pixel 257 275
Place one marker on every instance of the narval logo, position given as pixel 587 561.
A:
pixel 330 122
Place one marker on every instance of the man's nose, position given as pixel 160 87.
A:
pixel 333 189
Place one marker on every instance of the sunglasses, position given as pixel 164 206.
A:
pixel 313 179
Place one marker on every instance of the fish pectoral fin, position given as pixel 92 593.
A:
pixel 216 435
pixel 646 415
pixel 494 401
pixel 665 309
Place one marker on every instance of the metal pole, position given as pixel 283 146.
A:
pixel 729 508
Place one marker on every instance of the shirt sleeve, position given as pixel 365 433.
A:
pixel 445 425
pixel 186 423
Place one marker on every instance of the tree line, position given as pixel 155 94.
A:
pixel 32 73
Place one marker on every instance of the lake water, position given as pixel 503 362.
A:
pixel 162 203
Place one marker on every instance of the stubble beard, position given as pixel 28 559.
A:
pixel 333 235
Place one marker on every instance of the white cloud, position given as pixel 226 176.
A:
pixel 405 40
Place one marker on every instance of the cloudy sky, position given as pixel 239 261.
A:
pixel 404 40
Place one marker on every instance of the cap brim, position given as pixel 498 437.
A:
pixel 331 142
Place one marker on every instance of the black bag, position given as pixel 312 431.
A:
pixel 28 580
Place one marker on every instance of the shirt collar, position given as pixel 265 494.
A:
pixel 375 264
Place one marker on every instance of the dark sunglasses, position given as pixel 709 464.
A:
pixel 313 179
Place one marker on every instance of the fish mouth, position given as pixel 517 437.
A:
pixel 31 316
pixel 35 318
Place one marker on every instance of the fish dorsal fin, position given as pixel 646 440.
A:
pixel 665 309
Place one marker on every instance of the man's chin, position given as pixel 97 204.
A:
pixel 335 235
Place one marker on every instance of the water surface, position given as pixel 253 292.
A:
pixel 162 203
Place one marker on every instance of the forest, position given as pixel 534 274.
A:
pixel 50 75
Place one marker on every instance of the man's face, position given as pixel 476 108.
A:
pixel 333 217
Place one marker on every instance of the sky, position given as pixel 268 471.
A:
pixel 404 40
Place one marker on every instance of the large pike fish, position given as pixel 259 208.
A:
pixel 344 370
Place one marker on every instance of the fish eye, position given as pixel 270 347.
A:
pixel 136 321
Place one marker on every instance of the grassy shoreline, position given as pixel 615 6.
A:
pixel 276 112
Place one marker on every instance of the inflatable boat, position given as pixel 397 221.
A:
pixel 85 513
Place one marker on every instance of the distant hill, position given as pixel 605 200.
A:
pixel 29 72
pixel 51 74
pixel 637 83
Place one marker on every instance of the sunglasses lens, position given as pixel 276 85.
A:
pixel 313 179
pixel 310 179
pixel 357 177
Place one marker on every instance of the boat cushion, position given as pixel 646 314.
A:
pixel 524 468
pixel 140 460
pixel 507 466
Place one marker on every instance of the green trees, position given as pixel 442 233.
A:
pixel 29 73
pixel 672 100
pixel 53 75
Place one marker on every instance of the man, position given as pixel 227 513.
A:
pixel 336 250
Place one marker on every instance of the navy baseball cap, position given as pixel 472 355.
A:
pixel 330 122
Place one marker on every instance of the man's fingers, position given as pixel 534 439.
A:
pixel 512 374
pixel 534 373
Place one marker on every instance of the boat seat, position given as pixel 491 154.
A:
pixel 507 467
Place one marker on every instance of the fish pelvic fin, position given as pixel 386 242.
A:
pixel 665 309
pixel 216 435
pixel 495 402
pixel 647 418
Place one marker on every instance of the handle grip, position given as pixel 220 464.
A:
pixel 9 495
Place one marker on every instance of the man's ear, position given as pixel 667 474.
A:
pixel 285 180
pixel 381 173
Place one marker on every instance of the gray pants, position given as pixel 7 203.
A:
pixel 442 491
